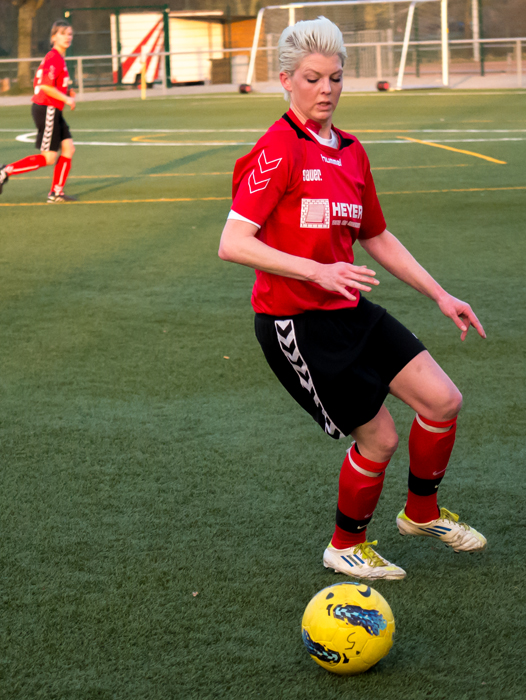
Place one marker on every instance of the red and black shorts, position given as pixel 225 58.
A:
pixel 51 125
pixel 338 364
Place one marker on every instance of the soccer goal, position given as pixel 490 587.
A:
pixel 384 38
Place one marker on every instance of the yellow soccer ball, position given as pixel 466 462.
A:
pixel 347 628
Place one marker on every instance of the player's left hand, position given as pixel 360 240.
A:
pixel 461 314
pixel 72 93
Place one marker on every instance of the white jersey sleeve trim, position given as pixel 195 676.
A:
pixel 234 215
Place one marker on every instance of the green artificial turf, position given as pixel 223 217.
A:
pixel 164 504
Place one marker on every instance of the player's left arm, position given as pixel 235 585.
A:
pixel 387 250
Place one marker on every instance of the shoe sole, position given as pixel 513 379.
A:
pixel 369 577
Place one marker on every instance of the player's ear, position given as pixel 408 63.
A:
pixel 285 79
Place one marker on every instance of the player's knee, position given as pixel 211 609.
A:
pixel 50 156
pixel 382 448
pixel 389 444
pixel 455 404
pixel 448 404
pixel 68 152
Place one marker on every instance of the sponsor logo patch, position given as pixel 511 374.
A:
pixel 315 213
pixel 312 176
pixel 343 213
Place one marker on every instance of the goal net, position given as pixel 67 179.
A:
pixel 385 40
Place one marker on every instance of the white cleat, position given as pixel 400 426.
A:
pixel 447 528
pixel 361 561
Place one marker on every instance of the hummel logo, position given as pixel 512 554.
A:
pixel 333 161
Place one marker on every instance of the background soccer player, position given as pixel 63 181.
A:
pixel 301 198
pixel 52 92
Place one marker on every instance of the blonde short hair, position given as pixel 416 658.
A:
pixel 311 36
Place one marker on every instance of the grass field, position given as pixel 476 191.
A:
pixel 164 504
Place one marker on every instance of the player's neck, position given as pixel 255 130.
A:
pixel 323 129
pixel 61 49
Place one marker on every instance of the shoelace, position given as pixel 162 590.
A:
pixel 446 514
pixel 370 555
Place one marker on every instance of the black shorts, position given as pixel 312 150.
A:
pixel 52 127
pixel 338 364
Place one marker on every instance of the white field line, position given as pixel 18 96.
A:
pixel 28 138
pixel 263 130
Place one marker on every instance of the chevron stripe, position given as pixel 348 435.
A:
pixel 255 185
pixel 287 340
pixel 48 128
pixel 269 164
pixel 285 330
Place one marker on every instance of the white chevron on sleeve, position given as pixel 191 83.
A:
pixel 267 165
pixel 254 185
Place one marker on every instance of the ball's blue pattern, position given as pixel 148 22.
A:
pixel 371 620
pixel 329 656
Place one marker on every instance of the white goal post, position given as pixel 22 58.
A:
pixel 437 37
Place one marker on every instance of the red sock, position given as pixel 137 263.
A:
pixel 430 445
pixel 361 482
pixel 60 174
pixel 26 165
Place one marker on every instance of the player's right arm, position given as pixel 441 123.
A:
pixel 51 91
pixel 239 244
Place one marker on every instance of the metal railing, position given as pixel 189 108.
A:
pixel 80 73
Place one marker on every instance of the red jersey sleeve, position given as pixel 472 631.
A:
pixel 373 222
pixel 262 177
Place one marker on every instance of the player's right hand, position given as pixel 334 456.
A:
pixel 71 103
pixel 342 277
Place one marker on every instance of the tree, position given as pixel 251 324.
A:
pixel 27 10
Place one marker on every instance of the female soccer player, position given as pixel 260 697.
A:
pixel 301 198
pixel 52 92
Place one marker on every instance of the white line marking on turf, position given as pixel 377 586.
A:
pixel 264 129
pixel 27 138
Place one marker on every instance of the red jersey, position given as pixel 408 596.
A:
pixel 53 72
pixel 311 201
